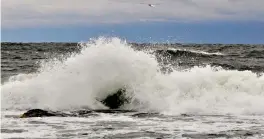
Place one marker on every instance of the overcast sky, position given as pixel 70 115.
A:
pixel 118 17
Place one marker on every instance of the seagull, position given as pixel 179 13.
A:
pixel 151 5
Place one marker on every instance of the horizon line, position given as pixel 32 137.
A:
pixel 132 42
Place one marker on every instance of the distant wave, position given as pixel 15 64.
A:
pixel 255 54
pixel 197 52
pixel 186 53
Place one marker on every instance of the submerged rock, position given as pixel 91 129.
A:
pixel 47 113
pixel 77 113
pixel 40 113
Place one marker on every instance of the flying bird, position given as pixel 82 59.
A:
pixel 151 5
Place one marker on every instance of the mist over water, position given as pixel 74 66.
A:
pixel 105 65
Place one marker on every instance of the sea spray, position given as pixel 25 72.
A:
pixel 101 67
pixel 104 65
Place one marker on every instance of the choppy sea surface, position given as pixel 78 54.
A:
pixel 178 90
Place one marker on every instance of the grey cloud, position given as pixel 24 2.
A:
pixel 27 13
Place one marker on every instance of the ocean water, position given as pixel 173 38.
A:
pixel 177 90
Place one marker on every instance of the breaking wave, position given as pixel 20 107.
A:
pixel 104 65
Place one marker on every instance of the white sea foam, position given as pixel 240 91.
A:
pixel 105 65
pixel 198 51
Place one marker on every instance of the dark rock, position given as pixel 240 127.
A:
pixel 82 112
pixel 144 115
pixel 41 113
pixel 113 101
pixel 78 113
pixel 113 111
pixel 116 100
